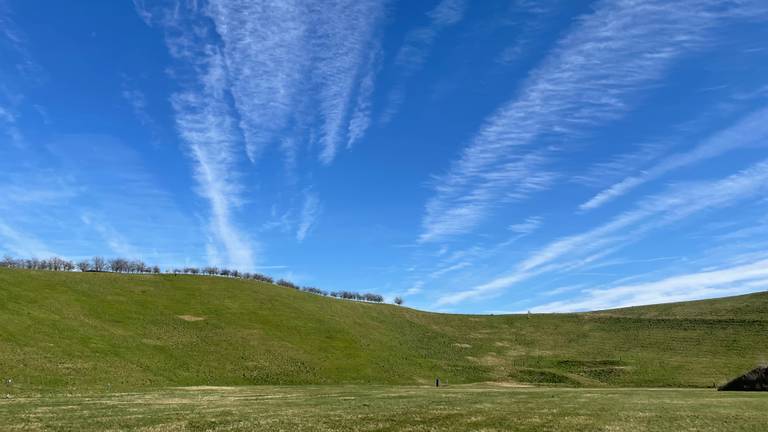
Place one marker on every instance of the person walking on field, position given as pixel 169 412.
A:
pixel 437 382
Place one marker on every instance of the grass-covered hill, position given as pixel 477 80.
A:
pixel 103 330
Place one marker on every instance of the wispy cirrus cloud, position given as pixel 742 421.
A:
pixel 532 17
pixel 528 226
pixel 340 38
pixel 310 211
pixel 603 173
pixel 265 52
pixel 448 214
pixel 138 101
pixel 10 129
pixel 416 47
pixel 678 203
pixel 692 286
pixel 19 244
pixel 360 120
pixel 17 67
pixel 587 80
pixel 292 70
pixel 450 268
pixel 116 242
pixel 279 52
pixel 749 131
pixel 206 123
pixel 418 42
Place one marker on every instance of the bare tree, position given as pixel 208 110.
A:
pixel 98 264
pixel 122 265
pixel 119 265
pixel 56 264
pixel 286 283
pixel 8 261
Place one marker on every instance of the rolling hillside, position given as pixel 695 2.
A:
pixel 102 330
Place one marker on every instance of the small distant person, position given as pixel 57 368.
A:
pixel 437 382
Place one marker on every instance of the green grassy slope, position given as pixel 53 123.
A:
pixel 93 330
pixel 743 307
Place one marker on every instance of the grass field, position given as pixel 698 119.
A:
pixel 389 408
pixel 101 351
pixel 81 331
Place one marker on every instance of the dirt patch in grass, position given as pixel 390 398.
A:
pixel 208 388
pixel 190 318
pixel 490 359
pixel 507 384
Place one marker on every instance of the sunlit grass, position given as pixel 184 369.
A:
pixel 390 408
pixel 75 331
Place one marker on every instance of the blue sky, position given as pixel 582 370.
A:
pixel 483 157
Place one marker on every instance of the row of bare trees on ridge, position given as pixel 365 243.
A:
pixel 122 265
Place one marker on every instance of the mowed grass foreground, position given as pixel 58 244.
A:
pixel 81 332
pixel 389 408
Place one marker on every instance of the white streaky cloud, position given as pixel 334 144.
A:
pixel 117 243
pixel 563 289
pixel 22 245
pixel 137 99
pixel 526 227
pixel 416 47
pixel 417 288
pixel 361 116
pixel 750 131
pixel 341 34
pixel 515 180
pixel 138 102
pixel 448 12
pixel 602 174
pixel 587 80
pixel 205 125
pixel 657 211
pixel 13 37
pixel 419 41
pixel 482 291
pixel 621 262
pixel 143 12
pixel 310 211
pixel 531 18
pixel 448 269
pixel 30 191
pixel 8 122
pixel 573 252
pixel 706 284
pixel 205 122
pixel 16 64
pixel 282 55
pixel 265 53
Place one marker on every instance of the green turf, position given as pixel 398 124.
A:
pixel 98 331
pixel 386 408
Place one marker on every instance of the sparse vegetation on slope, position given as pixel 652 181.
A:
pixel 93 330
pixel 135 266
